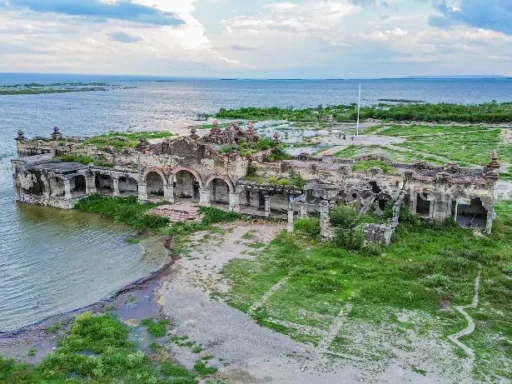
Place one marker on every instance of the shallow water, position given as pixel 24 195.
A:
pixel 53 261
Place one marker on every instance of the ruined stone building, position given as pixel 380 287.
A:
pixel 197 170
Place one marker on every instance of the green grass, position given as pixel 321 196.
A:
pixel 120 140
pixel 83 160
pixel 364 166
pixel 96 350
pixel 123 210
pixel 203 369
pixel 428 268
pixel 156 328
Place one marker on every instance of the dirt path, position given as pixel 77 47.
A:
pixel 244 351
pixel 471 324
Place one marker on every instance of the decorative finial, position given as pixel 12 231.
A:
pixel 21 136
pixel 215 130
pixel 494 164
pixel 56 135
pixel 193 133
pixel 277 138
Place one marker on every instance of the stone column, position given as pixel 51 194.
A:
pixel 143 191
pixel 90 185
pixel 115 182
pixel 67 189
pixel 169 192
pixel 234 202
pixel 303 211
pixel 290 219
pixel 204 197
pixel 266 196
pixel 325 220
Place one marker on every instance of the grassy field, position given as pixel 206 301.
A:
pixel 469 146
pixel 408 288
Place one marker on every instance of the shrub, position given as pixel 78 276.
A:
pixel 155 328
pixel 352 238
pixel 308 226
pixel 214 215
pixel 344 216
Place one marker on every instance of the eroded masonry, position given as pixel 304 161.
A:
pixel 200 170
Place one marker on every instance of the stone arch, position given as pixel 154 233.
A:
pixel 226 179
pixel 154 170
pixel 175 171
pixel 186 183
pixel 220 189
pixel 155 183
pixel 128 185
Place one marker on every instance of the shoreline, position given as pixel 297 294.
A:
pixel 36 333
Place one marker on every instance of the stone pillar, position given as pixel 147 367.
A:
pixel 266 196
pixel 115 182
pixel 143 191
pixel 169 192
pixel 204 197
pixel 325 220
pixel 490 219
pixel 67 189
pixel 303 211
pixel 291 214
pixel 234 202
pixel 90 185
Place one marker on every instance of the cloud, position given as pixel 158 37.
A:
pixel 123 37
pixel 487 14
pixel 98 10
pixel 240 47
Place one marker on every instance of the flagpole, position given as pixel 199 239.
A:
pixel 358 110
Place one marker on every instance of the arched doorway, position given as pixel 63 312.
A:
pixel 128 186
pixel 78 186
pixel 104 184
pixel 186 186
pixel 155 185
pixel 219 191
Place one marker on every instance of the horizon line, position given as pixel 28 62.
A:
pixel 410 77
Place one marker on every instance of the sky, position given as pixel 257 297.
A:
pixel 258 38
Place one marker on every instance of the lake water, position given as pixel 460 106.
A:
pixel 53 261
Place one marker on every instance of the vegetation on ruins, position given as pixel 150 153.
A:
pixel 97 350
pixel 120 141
pixel 428 270
pixel 476 113
pixel 75 158
pixel 364 166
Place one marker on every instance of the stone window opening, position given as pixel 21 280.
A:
pixel 423 204
pixel 128 186
pixel 78 186
pixel 375 188
pixel 56 187
pixel 104 183
pixel 470 213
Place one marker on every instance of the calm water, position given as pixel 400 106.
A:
pixel 53 261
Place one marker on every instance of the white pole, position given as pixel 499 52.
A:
pixel 358 110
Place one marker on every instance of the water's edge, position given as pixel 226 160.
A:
pixel 99 305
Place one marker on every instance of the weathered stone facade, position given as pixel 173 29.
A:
pixel 194 168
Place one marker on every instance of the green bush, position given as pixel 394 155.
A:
pixel 344 216
pixel 309 226
pixel 214 215
pixel 156 328
pixel 124 210
pixel 84 160
pixel 352 238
